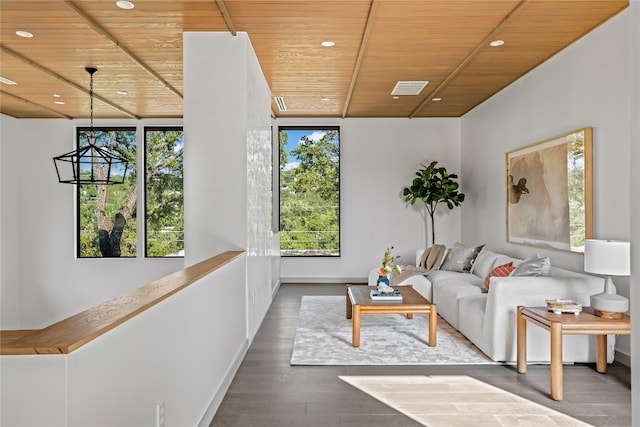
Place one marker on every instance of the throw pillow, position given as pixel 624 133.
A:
pixel 460 258
pixel 484 263
pixel 500 271
pixel 432 258
pixel 533 267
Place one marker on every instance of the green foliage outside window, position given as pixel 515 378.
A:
pixel 164 192
pixel 106 213
pixel 309 192
pixel 576 187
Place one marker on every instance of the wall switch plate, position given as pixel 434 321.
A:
pixel 160 414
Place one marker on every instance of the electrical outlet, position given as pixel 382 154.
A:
pixel 160 414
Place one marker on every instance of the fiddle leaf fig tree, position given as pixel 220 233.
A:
pixel 433 185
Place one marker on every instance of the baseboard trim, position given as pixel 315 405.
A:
pixel 275 290
pixel 207 418
pixel 623 358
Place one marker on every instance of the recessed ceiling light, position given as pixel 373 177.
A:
pixel 122 92
pixel 7 81
pixel 436 99
pixel 328 43
pixel 25 34
pixel 396 97
pixel 122 4
pixel 59 102
pixel 56 95
pixel 325 98
pixel 496 43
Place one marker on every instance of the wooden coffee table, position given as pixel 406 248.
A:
pixel 359 302
pixel 584 323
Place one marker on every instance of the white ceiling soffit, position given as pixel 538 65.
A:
pixel 409 87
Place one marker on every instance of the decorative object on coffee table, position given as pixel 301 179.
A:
pixel 385 295
pixel 388 266
pixel 433 186
pixel 611 258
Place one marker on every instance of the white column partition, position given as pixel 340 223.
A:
pixel 227 121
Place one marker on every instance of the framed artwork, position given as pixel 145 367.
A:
pixel 549 199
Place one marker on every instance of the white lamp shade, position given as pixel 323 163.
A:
pixel 607 257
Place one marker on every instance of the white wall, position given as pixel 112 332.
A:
pixel 175 352
pixel 378 158
pixel 9 225
pixel 185 350
pixel 634 158
pixel 585 85
pixel 227 107
pixel 42 281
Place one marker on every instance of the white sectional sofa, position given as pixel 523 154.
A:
pixel 488 319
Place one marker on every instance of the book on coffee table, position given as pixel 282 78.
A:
pixel 385 296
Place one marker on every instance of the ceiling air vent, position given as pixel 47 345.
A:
pixel 409 87
pixel 280 102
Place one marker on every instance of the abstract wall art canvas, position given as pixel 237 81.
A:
pixel 548 195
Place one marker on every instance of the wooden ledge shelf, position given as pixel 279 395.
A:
pixel 72 333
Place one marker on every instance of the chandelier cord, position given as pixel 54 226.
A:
pixel 93 138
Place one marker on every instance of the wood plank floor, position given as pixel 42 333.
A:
pixel 267 391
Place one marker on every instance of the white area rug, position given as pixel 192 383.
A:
pixel 458 400
pixel 323 337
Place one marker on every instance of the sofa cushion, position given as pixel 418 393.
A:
pixel 460 258
pixel 472 313
pixel 533 266
pixel 503 270
pixel 448 287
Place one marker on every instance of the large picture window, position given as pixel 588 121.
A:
pixel 309 191
pixel 107 213
pixel 164 196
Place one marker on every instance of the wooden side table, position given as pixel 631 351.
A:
pixel 584 323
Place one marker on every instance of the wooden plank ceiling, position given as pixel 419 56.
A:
pixel 377 44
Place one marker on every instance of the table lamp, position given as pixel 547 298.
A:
pixel 610 258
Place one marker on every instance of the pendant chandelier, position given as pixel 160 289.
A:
pixel 91 164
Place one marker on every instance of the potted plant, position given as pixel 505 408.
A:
pixel 433 185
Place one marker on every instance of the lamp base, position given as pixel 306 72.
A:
pixel 609 303
pixel 608 314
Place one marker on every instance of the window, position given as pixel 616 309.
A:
pixel 164 196
pixel 309 191
pixel 107 213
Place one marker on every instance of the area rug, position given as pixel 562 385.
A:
pixel 323 337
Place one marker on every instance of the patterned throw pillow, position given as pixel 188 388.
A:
pixel 460 258
pixel 533 267
pixel 500 271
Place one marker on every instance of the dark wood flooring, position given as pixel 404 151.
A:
pixel 268 391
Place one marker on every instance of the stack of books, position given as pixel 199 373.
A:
pixel 376 295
